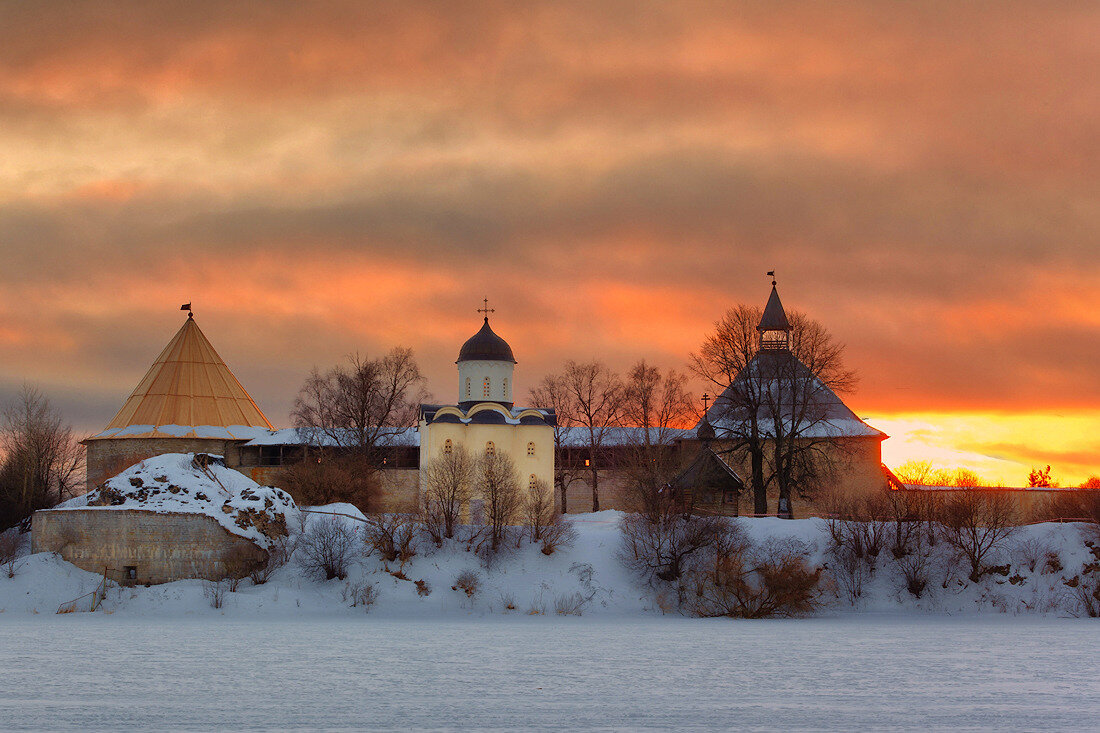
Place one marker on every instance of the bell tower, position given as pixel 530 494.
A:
pixel 774 328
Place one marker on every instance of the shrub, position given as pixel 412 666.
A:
pixel 757 583
pixel 570 604
pixel 326 548
pixel 848 570
pixel 325 479
pixel 468 582
pixel 508 601
pixel 1052 563
pixel 859 531
pixel 215 591
pixel 1027 553
pixel 360 594
pixel 558 533
pixel 1087 596
pixel 392 536
pixel 10 543
pixel 916 565
pixel 238 563
pixel 664 549
pixel 277 556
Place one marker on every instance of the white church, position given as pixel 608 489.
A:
pixel 484 418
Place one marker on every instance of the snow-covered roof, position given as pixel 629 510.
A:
pixel 826 417
pixel 174 483
pixel 405 437
pixel 577 437
pixel 217 432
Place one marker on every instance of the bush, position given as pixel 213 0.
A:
pixel 238 563
pixel 326 548
pixel 508 601
pixel 277 555
pixel 1029 552
pixel 468 582
pixel 666 548
pixel 423 588
pixel 215 591
pixel 327 479
pixel 751 582
pixel 849 570
pixel 10 543
pixel 570 604
pixel 558 533
pixel 360 594
pixel 1086 596
pixel 392 536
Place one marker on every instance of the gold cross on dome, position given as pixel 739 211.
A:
pixel 486 309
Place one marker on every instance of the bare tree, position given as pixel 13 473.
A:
pixel 976 523
pixel 657 405
pixel 498 484
pixel 447 483
pixel 357 411
pixel 551 393
pixel 538 510
pixel 594 401
pixel 774 402
pixel 42 459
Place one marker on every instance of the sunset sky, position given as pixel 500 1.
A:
pixel 325 178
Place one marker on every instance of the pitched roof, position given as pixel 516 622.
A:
pixel 187 385
pixel 824 415
pixel 774 318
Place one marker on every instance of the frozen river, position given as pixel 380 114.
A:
pixel 856 672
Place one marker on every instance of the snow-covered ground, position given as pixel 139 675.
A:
pixel 294 652
pixel 855 672
pixel 536 584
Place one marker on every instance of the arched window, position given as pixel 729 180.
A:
pixel 467 387
pixel 532 483
pixel 504 387
pixel 447 446
pixel 486 385
pixel 531 449
pixel 490 449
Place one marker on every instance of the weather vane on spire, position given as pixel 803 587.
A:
pixel 486 309
pixel 771 274
pixel 187 307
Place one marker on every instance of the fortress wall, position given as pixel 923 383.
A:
pixel 160 547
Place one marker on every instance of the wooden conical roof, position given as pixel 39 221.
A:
pixel 189 385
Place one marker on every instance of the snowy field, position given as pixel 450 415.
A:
pixel 864 671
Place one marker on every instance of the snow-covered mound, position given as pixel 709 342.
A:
pixel 193 483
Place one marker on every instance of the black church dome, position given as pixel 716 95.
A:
pixel 485 346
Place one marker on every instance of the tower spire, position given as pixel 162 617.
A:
pixel 774 328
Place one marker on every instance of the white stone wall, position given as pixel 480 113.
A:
pixel 499 373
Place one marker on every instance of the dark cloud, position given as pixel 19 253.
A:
pixel 345 176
